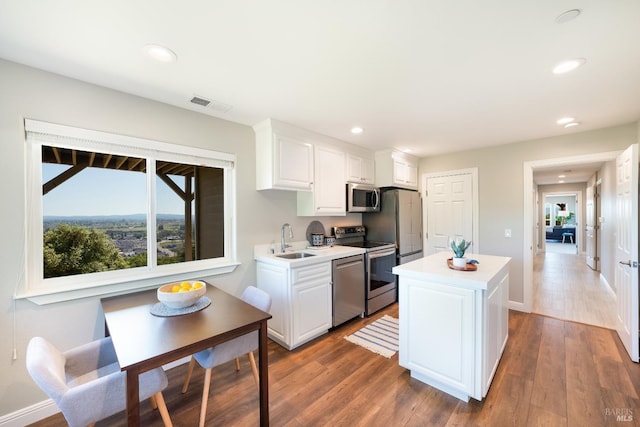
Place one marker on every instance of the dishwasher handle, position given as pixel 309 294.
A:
pixel 349 263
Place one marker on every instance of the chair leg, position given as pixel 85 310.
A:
pixel 154 404
pixel 237 363
pixel 192 363
pixel 205 396
pixel 162 407
pixel 254 368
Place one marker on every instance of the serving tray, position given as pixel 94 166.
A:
pixel 468 267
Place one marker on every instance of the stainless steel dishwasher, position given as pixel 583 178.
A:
pixel 348 288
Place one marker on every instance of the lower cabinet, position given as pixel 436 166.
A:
pixel 301 301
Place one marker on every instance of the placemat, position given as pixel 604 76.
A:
pixel 161 310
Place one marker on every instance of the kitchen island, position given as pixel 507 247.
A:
pixel 453 324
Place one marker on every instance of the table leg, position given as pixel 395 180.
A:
pixel 264 375
pixel 133 399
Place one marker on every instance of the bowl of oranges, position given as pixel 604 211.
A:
pixel 181 294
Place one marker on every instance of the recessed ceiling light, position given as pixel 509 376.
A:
pixel 567 16
pixel 561 182
pixel 569 65
pixel 572 124
pixel 562 176
pixel 565 120
pixel 357 130
pixel 407 150
pixel 160 53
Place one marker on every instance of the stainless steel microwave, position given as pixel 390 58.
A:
pixel 363 198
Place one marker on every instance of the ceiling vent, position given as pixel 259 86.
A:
pixel 200 101
pixel 214 105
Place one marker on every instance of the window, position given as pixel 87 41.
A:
pixel 123 212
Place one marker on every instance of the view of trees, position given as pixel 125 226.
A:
pixel 72 250
pixel 81 249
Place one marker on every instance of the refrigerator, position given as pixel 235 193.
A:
pixel 399 221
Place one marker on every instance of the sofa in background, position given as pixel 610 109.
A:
pixel 558 230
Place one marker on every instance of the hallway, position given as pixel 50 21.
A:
pixel 565 288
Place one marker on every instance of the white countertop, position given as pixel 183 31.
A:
pixel 262 253
pixel 434 268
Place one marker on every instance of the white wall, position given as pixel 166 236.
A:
pixel 501 180
pixel 608 228
pixel 30 93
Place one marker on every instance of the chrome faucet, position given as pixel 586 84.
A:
pixel 283 242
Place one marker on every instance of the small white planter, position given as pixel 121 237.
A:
pixel 459 262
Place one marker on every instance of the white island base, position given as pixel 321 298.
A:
pixel 453 324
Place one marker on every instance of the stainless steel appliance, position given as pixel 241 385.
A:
pixel 362 198
pixel 348 288
pixel 399 221
pixel 380 258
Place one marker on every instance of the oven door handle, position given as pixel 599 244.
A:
pixel 378 254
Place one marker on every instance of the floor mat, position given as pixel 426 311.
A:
pixel 380 337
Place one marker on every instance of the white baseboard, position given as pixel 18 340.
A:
pixel 46 408
pixel 30 414
pixel 604 281
pixel 518 306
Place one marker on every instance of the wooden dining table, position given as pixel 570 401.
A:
pixel 144 341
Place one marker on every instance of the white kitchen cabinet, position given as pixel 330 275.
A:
pixel 360 169
pixel 301 301
pixel 274 280
pixel 497 328
pixel 284 158
pixel 396 169
pixel 453 324
pixel 327 197
pixel 311 302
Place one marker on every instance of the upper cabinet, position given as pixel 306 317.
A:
pixel 284 158
pixel 328 196
pixel 316 166
pixel 360 169
pixel 396 169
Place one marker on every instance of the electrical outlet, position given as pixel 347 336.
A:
pixel 507 233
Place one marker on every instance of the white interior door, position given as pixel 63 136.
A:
pixel 449 202
pixel 591 224
pixel 626 275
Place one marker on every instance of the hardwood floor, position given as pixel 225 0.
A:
pixel 552 373
pixel 564 287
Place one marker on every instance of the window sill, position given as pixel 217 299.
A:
pixel 49 296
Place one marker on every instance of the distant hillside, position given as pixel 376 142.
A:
pixel 110 218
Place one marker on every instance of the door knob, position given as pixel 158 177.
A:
pixel 625 263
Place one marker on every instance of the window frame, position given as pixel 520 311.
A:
pixel 51 290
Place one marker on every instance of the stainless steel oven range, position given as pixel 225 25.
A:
pixel 380 258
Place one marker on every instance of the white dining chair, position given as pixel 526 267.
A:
pixel 227 351
pixel 86 382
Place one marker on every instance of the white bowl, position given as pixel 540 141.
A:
pixel 181 299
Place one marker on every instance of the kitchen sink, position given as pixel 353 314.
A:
pixel 294 255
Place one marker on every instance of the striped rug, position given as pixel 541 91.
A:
pixel 381 336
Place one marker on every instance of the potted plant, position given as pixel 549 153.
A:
pixel 459 247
